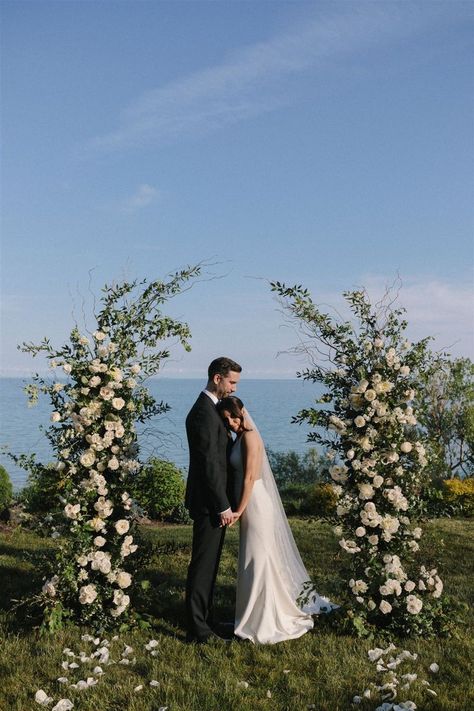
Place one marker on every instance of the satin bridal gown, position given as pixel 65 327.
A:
pixel 271 573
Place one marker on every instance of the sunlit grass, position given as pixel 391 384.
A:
pixel 322 668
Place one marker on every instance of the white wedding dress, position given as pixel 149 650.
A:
pixel 271 573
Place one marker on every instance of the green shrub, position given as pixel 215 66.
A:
pixel 461 493
pixel 6 489
pixel 309 500
pixel 292 468
pixel 40 495
pixel 321 501
pixel 159 489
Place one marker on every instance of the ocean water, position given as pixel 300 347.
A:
pixel 272 403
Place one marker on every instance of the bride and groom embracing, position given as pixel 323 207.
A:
pixel 230 479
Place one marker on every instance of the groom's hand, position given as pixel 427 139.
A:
pixel 226 517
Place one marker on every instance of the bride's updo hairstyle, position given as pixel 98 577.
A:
pixel 234 406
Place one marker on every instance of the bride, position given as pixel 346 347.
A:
pixel 271 574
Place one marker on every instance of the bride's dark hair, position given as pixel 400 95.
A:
pixel 234 405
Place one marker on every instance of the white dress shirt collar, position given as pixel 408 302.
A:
pixel 214 399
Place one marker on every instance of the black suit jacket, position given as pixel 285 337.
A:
pixel 206 489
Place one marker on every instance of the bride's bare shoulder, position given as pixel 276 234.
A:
pixel 251 439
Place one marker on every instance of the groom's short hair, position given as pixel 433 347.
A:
pixel 222 366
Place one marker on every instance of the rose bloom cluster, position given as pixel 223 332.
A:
pixel 97 443
pixel 376 467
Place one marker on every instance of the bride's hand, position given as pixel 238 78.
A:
pixel 236 517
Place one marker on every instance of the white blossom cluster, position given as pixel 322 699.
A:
pixel 392 685
pixel 97 443
pixel 376 467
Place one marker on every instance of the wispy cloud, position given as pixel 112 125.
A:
pixel 254 79
pixel 435 307
pixel 143 196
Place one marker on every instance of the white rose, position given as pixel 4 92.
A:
pixel 378 342
pixel 88 458
pixel 122 526
pixel 55 417
pixel 366 491
pixel 370 395
pixel 67 368
pixel 373 540
pixel 123 579
pixel 94 381
pixel 135 368
pixel 414 604
pixel 99 541
pixel 406 447
pixel 118 403
pixel 99 336
pixel 359 421
pixel 385 607
pixel 49 588
pixel 377 481
pixel 87 594
pixel 404 370
pixel 360 531
pixel 113 463
pixel 72 510
pixel 409 585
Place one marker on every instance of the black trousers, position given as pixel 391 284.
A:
pixel 208 539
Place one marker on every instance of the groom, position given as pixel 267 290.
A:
pixel 207 495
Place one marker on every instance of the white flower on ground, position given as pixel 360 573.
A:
pixel 243 684
pixel 87 594
pixel 153 682
pixel 434 668
pixel 151 645
pixel 63 705
pixel 42 698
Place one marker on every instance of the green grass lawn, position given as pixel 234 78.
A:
pixel 322 670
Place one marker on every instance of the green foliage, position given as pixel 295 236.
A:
pixel 317 500
pixel 159 489
pixel 93 435
pixel 40 495
pixel 6 488
pixel 445 403
pixel 291 468
pixel 366 419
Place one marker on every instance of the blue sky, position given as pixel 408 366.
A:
pixel 323 143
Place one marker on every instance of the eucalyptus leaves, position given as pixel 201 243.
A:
pixel 94 438
pixel 377 458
